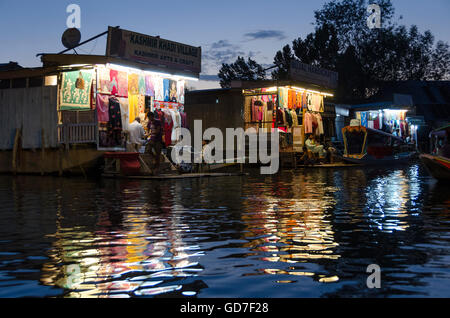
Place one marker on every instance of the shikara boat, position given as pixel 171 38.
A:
pixel 438 163
pixel 368 146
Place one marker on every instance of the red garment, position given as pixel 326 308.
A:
pixel 304 100
pixel 168 132
pixel 376 123
pixel 298 100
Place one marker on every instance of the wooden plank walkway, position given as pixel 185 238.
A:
pixel 331 165
pixel 175 176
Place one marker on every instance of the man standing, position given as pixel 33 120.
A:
pixel 155 144
pixel 137 135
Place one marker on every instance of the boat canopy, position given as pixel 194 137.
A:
pixel 362 129
pixel 441 132
pixel 360 140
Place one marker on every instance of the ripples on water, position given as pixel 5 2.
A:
pixel 297 234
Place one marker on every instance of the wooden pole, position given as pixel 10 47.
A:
pixel 42 151
pixel 16 149
pixel 60 160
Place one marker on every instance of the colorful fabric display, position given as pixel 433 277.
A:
pixel 104 80
pixel 159 88
pixel 102 108
pixel 119 83
pixel 180 91
pixel 149 86
pixel 115 117
pixel 133 108
pixel 124 112
pixel 76 90
pixel 133 84
pixel 166 90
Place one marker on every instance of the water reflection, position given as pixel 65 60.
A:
pixel 135 250
pixel 304 233
pixel 289 222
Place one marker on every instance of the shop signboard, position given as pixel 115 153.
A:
pixel 152 50
pixel 312 74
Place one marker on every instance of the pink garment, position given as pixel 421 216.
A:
pixel 119 83
pixel 103 108
pixel 260 113
pixel 308 123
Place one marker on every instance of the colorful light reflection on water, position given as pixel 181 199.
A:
pixel 297 234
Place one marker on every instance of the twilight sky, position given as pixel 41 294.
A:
pixel 224 29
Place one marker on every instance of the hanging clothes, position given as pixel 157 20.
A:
pixel 166 90
pixel 104 80
pixel 376 123
pixel 149 86
pixel 294 118
pixel 133 108
pixel 308 123
pixel 288 118
pixel 133 84
pixel 180 91
pixel 319 119
pixel 115 117
pixel 141 85
pixel 102 108
pixel 141 107
pixel 75 90
pixel 364 121
pixel 124 112
pixel 183 120
pixel 279 117
pixel 159 88
pixel 284 117
pixel 119 83
pixel 283 96
pixel 298 100
pixel 291 102
pixel 176 124
pixel 168 128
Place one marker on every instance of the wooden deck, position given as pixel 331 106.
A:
pixel 175 176
pixel 330 165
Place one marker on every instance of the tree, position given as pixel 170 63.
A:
pixel 283 60
pixel 320 48
pixel 364 57
pixel 440 63
pixel 240 70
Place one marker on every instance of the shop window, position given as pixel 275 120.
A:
pixel 5 84
pixel 19 83
pixel 35 82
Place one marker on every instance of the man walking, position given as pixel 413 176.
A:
pixel 155 144
pixel 137 135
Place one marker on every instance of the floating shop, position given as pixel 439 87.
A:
pixel 65 115
pixel 295 107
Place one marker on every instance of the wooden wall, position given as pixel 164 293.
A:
pixel 34 110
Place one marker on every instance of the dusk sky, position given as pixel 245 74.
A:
pixel 224 29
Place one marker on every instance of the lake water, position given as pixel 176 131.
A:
pixel 308 233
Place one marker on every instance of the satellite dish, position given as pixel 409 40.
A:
pixel 71 38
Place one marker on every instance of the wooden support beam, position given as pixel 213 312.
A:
pixel 17 139
pixel 42 151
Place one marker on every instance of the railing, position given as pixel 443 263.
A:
pixel 77 133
